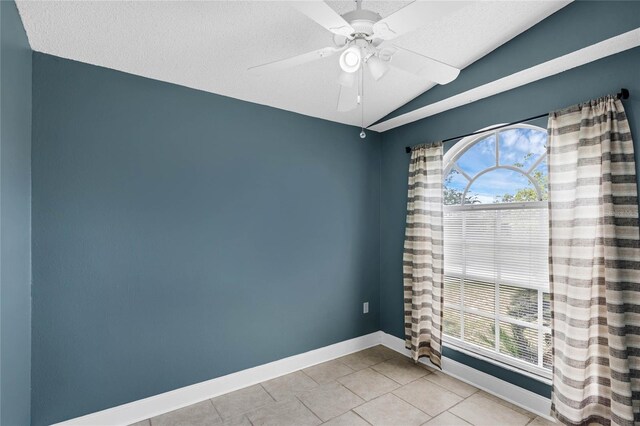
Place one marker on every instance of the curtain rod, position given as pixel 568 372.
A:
pixel 623 94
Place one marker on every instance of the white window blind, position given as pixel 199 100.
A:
pixel 496 281
pixel 498 243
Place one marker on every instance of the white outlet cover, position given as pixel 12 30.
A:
pixel 365 308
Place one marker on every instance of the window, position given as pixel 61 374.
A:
pixel 496 236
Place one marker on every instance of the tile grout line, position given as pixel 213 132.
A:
pixel 401 399
pixel 479 393
pixel 265 389
pixel 308 408
pixel 457 417
pixel 365 420
pixel 458 403
pixel 244 413
pixel 353 408
pixel 338 360
pixel 295 395
pixel 303 372
pixel 538 417
pixel 216 410
pixel 336 378
pixel 428 372
pixel 380 372
pixel 452 391
pixel 463 399
pixel 422 411
pixel 503 403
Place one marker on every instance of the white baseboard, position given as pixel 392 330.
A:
pixel 516 395
pixel 159 404
pixel 163 403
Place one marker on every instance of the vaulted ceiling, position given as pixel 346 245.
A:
pixel 210 45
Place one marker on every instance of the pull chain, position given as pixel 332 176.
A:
pixel 362 133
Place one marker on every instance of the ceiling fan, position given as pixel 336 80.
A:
pixel 362 37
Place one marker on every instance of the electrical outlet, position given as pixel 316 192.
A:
pixel 365 308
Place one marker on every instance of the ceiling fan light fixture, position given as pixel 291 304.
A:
pixel 350 59
pixel 377 67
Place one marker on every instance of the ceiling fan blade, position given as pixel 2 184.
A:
pixel 320 12
pixel 348 98
pixel 284 64
pixel 347 78
pixel 418 14
pixel 423 66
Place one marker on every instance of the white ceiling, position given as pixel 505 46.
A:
pixel 210 45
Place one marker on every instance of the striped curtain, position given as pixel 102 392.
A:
pixel 594 265
pixel 423 255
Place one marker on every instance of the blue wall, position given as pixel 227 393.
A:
pixel 180 236
pixel 15 220
pixel 570 28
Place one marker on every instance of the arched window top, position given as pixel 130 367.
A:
pixel 502 166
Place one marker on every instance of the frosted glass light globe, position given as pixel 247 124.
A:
pixel 350 59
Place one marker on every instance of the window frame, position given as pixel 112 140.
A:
pixel 494 356
pixel 451 157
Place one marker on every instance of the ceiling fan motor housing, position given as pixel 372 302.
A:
pixel 362 21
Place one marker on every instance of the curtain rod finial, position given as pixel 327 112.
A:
pixel 623 94
pixel 407 149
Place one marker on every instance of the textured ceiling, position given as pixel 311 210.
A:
pixel 210 45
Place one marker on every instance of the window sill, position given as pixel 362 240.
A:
pixel 453 344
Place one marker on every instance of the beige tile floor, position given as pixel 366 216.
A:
pixel 376 386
